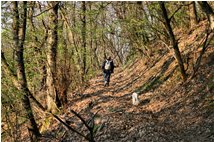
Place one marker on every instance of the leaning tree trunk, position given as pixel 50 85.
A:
pixel 173 41
pixel 19 30
pixel 52 98
pixel 209 12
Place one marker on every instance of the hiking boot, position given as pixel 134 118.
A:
pixel 105 83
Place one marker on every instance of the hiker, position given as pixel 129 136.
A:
pixel 108 69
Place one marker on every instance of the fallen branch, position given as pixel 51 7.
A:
pixel 68 126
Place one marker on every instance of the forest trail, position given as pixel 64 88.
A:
pixel 53 86
pixel 169 110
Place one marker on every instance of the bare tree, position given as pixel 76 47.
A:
pixel 173 40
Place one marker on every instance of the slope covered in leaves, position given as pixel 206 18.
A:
pixel 170 110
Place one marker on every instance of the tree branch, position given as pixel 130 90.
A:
pixel 68 126
pixel 175 12
pixel 170 17
pixel 84 122
pixel 46 10
pixel 59 119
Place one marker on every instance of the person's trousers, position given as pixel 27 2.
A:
pixel 107 77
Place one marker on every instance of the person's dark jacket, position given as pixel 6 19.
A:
pixel 111 68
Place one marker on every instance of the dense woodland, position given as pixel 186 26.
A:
pixel 50 50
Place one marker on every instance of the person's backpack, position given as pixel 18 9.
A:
pixel 108 65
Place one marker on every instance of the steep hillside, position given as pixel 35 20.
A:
pixel 170 110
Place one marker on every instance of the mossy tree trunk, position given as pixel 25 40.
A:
pixel 52 96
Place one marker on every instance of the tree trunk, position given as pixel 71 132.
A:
pixel 209 12
pixel 205 46
pixel 19 38
pixel 173 41
pixel 37 45
pixel 83 40
pixel 193 15
pixel 52 101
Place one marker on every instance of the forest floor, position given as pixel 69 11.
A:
pixel 169 111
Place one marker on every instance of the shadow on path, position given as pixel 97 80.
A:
pixel 106 94
pixel 156 80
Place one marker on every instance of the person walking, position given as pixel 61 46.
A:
pixel 108 69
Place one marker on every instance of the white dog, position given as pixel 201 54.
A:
pixel 135 99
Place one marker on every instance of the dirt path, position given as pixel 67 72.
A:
pixel 167 112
